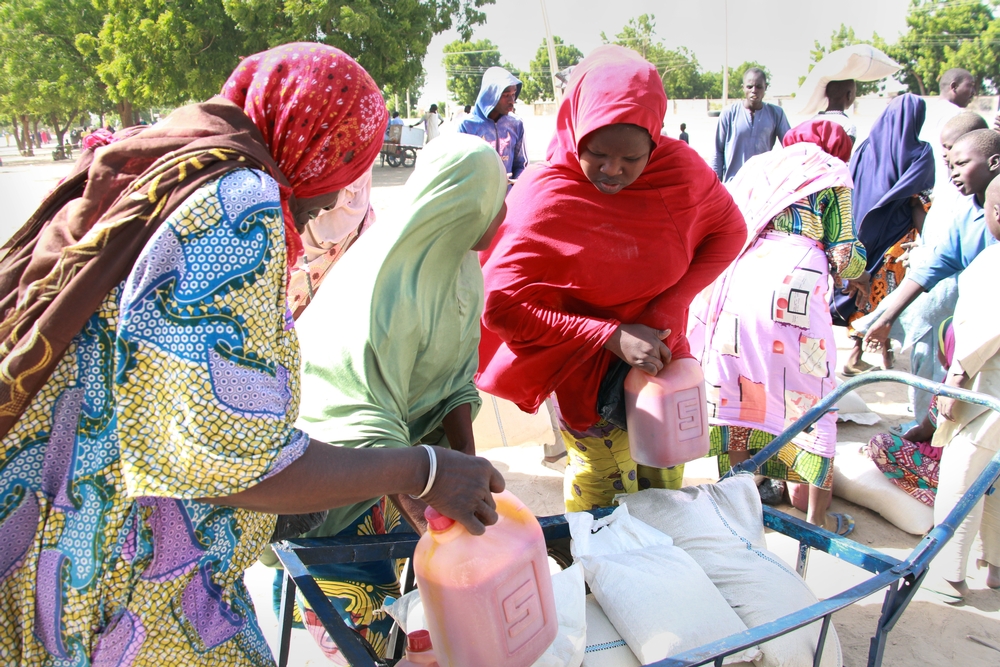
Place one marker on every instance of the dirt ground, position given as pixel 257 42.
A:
pixel 929 633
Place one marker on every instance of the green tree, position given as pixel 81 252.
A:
pixel 395 98
pixel 464 65
pixel 945 34
pixel 681 74
pixel 639 34
pixel 388 37
pixel 843 36
pixel 679 69
pixel 157 53
pixel 43 75
pixel 712 81
pixel 538 79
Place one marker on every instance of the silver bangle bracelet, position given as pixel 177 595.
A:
pixel 432 473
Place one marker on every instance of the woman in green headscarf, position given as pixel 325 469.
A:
pixel 389 349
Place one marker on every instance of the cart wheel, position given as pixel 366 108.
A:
pixel 409 157
pixel 394 160
pixel 559 551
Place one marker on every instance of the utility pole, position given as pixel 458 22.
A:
pixel 408 103
pixel 725 55
pixel 553 60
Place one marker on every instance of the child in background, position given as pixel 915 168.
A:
pixel 970 434
pixel 975 161
pixel 909 460
pixel 684 135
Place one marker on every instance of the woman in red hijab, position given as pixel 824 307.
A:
pixel 593 271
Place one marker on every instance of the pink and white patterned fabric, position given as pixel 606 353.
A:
pixel 763 331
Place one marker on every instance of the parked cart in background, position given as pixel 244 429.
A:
pixel 401 145
pixel 899 578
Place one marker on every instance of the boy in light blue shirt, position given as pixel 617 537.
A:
pixel 975 161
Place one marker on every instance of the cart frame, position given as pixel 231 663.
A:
pixel 395 152
pixel 900 579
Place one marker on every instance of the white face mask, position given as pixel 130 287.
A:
pixel 333 226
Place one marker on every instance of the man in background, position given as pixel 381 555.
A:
pixel 491 119
pixel 747 128
pixel 958 88
pixel 840 95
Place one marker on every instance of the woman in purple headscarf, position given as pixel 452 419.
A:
pixel 893 174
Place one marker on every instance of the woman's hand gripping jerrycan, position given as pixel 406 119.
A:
pixel 667 415
pixel 488 600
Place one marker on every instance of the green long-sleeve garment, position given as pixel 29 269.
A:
pixel 389 344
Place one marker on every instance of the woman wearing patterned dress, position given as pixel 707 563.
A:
pixel 150 376
pixel 763 330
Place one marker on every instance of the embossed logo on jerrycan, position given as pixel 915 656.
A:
pixel 488 599
pixel 667 415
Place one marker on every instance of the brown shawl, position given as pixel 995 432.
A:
pixel 88 232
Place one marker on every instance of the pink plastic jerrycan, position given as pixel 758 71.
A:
pixel 667 415
pixel 419 651
pixel 488 599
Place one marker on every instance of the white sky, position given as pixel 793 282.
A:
pixel 777 33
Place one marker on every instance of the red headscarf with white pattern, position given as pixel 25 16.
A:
pixel 321 114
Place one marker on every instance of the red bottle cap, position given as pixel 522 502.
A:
pixel 418 641
pixel 438 522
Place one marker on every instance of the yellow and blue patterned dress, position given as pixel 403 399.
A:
pixel 183 385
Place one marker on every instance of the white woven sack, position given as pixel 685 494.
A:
pixel 605 647
pixel 654 594
pixel 721 527
pixel 860 62
pixel 856 478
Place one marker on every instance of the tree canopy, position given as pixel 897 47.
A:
pixel 679 69
pixel 73 56
pixel 941 35
pixel 464 64
pixel 538 79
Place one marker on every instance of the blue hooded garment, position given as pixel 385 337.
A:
pixel 507 133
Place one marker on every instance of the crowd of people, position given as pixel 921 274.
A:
pixel 179 391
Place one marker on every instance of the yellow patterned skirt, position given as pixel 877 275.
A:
pixel 599 467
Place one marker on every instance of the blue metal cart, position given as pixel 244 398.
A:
pixel 900 579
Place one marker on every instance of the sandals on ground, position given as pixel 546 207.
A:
pixel 845 523
pixel 850 370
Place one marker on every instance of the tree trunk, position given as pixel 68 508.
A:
pixel 61 131
pixel 17 135
pixel 126 113
pixel 29 141
pixel 920 84
pixel 34 132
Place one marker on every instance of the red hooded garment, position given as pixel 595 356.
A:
pixel 571 263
